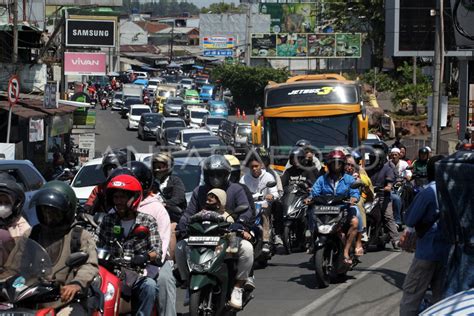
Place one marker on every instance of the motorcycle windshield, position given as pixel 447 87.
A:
pixel 25 264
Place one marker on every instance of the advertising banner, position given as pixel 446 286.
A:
pixel 36 130
pixel 219 52
pixel 218 42
pixel 299 45
pixel 50 100
pixel 96 33
pixel 61 125
pixel 84 63
pixel 84 117
pixel 7 151
pixel 290 17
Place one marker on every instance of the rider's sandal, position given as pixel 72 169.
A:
pixel 359 251
pixel 347 261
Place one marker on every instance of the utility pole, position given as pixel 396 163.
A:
pixel 171 42
pixel 438 56
pixel 15 32
pixel 247 34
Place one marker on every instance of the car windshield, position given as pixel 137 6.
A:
pixel 172 133
pixel 130 101
pixel 206 90
pixel 88 176
pixel 153 83
pixel 138 112
pixel 152 119
pixel 186 81
pixel 173 123
pixel 187 136
pixel 175 101
pixel 198 114
pixel 214 120
pixel 164 93
pixel 118 96
pixel 189 174
pixel 207 143
pixel 244 130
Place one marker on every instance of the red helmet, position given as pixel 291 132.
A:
pixel 125 182
pixel 336 155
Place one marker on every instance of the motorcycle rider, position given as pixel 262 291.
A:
pixel 337 182
pixel 312 162
pixel 382 175
pixel 152 205
pixel 401 171
pixel 55 205
pixel 256 180
pixel 216 172
pixel 124 193
pixel 171 189
pixel 419 166
pixel 97 202
pixel 298 172
pixel 12 198
pixel 235 175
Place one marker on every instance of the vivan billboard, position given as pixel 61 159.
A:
pixel 84 63
pixel 83 33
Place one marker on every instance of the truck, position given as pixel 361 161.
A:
pixel 132 90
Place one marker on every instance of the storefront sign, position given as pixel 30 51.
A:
pixel 84 63
pixel 50 100
pixel 97 33
pixel 219 52
pixel 87 143
pixel 36 130
pixel 61 125
pixel 306 45
pixel 218 42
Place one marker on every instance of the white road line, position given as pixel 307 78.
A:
pixel 311 308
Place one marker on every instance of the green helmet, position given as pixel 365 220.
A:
pixel 61 197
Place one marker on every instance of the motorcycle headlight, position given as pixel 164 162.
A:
pixel 110 292
pixel 325 229
pixel 202 267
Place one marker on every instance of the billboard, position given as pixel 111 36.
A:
pixel 290 17
pixel 306 45
pixel 96 33
pixel 218 42
pixel 84 63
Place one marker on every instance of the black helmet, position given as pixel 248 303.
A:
pixel 216 171
pixel 113 159
pixel 377 158
pixel 164 158
pixel 381 145
pixel 143 173
pixel 298 154
pixel 119 171
pixel 60 196
pixel 303 143
pixel 423 150
pixel 9 186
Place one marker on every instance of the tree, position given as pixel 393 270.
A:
pixel 366 16
pixel 247 84
pixel 221 7
pixel 407 92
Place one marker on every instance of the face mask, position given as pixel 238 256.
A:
pixel 5 211
pixel 211 207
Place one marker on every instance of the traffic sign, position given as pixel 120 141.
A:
pixel 219 52
pixel 13 90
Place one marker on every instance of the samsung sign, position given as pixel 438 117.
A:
pixel 97 33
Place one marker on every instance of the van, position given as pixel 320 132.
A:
pixel 206 93
pixel 218 108
pixel 226 131
pixel 191 96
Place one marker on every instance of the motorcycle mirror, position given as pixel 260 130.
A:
pixel 141 232
pixel 271 184
pixel 77 259
pixel 357 184
pixel 241 209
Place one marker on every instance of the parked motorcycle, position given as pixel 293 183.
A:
pixel 27 282
pixel 376 233
pixel 212 269
pixel 262 206
pixel 294 217
pixel 330 218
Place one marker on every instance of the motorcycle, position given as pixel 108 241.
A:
pixel 27 283
pixel 212 268
pixel 376 233
pixel 294 217
pixel 262 206
pixel 330 218
pixel 405 190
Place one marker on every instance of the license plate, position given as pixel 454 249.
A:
pixel 326 209
pixel 203 240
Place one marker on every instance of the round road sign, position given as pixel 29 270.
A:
pixel 13 90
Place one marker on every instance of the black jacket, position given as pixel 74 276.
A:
pixel 175 197
pixel 296 175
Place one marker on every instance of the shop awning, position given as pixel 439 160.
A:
pixel 37 105
pixel 133 62
pixel 21 111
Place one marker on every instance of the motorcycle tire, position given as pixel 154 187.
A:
pixel 196 299
pixel 321 269
pixel 287 240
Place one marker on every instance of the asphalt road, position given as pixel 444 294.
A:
pixel 287 286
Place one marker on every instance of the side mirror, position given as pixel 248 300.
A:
pixel 271 184
pixel 98 217
pixel 177 141
pixel 77 259
pixel 141 232
pixel 241 209
pixel 357 185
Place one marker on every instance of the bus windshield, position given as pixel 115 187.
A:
pixel 324 133
pixel 312 94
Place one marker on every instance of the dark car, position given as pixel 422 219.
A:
pixel 29 179
pixel 126 105
pixel 198 142
pixel 169 135
pixel 148 125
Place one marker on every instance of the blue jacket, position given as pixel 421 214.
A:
pixel 323 186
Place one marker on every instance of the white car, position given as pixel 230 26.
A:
pixel 187 83
pixel 153 84
pixel 185 134
pixel 196 116
pixel 87 178
pixel 135 113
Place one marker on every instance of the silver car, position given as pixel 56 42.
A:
pixel 173 106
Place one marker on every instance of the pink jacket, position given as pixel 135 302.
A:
pixel 152 206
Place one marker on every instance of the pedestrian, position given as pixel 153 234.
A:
pixel 466 140
pixel 432 248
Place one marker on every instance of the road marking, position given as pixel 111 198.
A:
pixel 312 307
